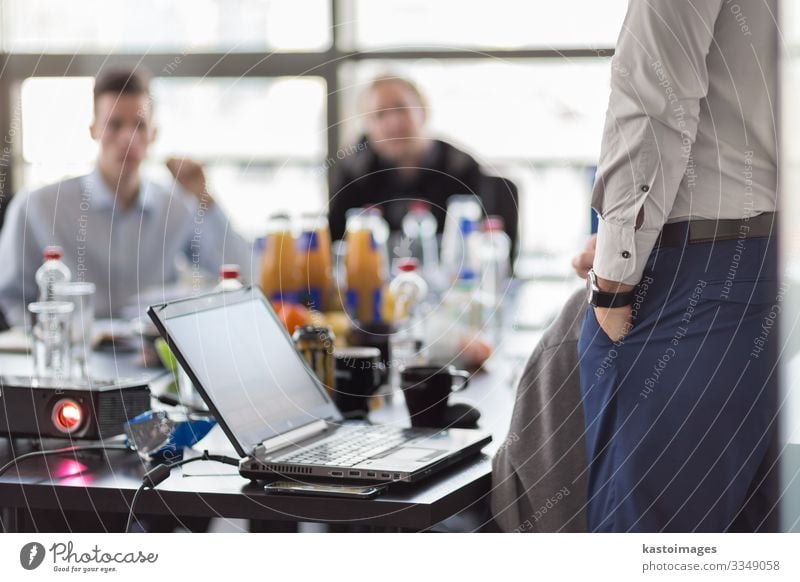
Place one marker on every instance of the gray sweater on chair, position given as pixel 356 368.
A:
pixel 539 472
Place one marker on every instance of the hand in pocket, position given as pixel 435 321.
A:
pixel 616 322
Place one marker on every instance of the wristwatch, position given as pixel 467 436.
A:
pixel 598 298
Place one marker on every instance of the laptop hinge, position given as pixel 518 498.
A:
pixel 293 436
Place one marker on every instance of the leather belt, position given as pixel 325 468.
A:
pixel 703 231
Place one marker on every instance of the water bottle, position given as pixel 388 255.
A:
pixel 52 271
pixel 465 262
pixel 419 230
pixel 229 278
pixel 463 301
pixel 458 250
pixel 454 327
pixel 408 289
pixel 495 253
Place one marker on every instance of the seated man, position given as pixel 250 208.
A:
pixel 117 229
pixel 397 162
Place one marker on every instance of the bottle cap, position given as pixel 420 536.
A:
pixel 230 271
pixel 53 253
pixel 408 265
pixel 418 206
pixel 493 223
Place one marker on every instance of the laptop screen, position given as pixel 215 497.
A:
pixel 258 384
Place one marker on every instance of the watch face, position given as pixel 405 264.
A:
pixel 592 279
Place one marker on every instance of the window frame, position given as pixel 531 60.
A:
pixel 16 67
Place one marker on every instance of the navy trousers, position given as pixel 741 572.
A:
pixel 681 413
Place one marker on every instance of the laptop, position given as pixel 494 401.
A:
pixel 273 408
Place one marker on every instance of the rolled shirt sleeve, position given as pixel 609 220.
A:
pixel 659 77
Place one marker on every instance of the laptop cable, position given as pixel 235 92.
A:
pixel 161 472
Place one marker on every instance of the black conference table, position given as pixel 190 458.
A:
pixel 102 485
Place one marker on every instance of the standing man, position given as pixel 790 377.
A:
pixel 677 375
pixel 117 229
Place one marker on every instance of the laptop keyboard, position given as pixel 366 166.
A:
pixel 348 446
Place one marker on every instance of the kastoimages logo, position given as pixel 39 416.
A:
pixel 31 555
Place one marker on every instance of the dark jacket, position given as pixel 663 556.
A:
pixel 362 178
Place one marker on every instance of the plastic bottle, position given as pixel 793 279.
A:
pixel 52 271
pixel 380 230
pixel 419 230
pixel 455 328
pixel 363 270
pixel 465 260
pixel 461 210
pixel 495 253
pixel 463 302
pixel 409 291
pixel 279 280
pixel 314 261
pixel 229 278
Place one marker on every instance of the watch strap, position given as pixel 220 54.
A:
pixel 611 300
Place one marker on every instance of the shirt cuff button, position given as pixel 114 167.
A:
pixel 645 188
pixel 626 255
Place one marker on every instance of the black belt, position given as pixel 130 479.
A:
pixel 703 231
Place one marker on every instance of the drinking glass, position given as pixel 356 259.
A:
pixel 81 295
pixel 50 331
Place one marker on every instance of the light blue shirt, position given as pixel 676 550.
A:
pixel 121 252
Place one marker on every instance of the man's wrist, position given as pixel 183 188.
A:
pixel 614 295
pixel 608 286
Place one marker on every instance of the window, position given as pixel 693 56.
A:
pixel 538 122
pixel 56 115
pixel 502 24
pixel 264 96
pixel 261 140
pixel 147 26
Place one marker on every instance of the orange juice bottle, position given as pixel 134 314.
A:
pixel 363 270
pixel 279 280
pixel 314 261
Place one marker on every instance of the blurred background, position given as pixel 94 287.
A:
pixel 264 100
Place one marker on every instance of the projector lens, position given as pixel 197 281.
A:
pixel 67 415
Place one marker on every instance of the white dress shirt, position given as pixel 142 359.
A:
pixel 690 130
pixel 121 252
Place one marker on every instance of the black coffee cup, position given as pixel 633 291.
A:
pixel 427 389
pixel 358 376
pixel 373 335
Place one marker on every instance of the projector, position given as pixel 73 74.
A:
pixel 86 410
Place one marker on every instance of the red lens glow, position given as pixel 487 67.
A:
pixel 67 415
